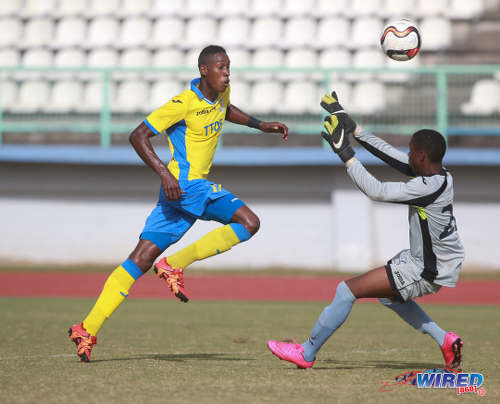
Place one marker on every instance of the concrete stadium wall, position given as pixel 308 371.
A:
pixel 311 217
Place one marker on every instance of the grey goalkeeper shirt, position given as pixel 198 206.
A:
pixel 434 240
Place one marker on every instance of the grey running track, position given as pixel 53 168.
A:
pixel 221 287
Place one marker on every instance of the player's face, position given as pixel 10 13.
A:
pixel 217 71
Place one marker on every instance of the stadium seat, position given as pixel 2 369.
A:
pixel 134 31
pixel 266 31
pixel 266 57
pixel 368 98
pixel 231 8
pixel 299 58
pixel 72 57
pixel 432 8
pixel 37 57
pixel 197 8
pixel 343 90
pixel 38 8
pixel 365 32
pixel 239 58
pixel 324 38
pixel 92 96
pixel 65 96
pixel 10 8
pixel 265 8
pixel 162 92
pixel 38 32
pixel 33 96
pixel 465 9
pixel 131 97
pixel 166 31
pixel 100 8
pixel 137 57
pixel 299 32
pixel 134 8
pixel 324 9
pixel 71 8
pixel 437 33
pixel 234 31
pixel 9 57
pixel 265 97
pixel 102 31
pixel 162 8
pixel 103 57
pixel 70 32
pixel 9 95
pixel 301 97
pixel 170 57
pixel 298 8
pixel 366 58
pixel 200 32
pixel 332 58
pixel 398 8
pixel 399 77
pixel 191 62
pixel 240 93
pixel 10 29
pixel 362 8
pixel 484 98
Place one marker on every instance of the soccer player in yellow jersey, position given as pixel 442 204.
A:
pixel 193 121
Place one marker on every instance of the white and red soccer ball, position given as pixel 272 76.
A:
pixel 401 40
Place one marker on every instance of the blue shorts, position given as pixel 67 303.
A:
pixel 201 199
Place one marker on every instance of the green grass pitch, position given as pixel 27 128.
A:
pixel 215 352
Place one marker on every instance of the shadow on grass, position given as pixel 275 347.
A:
pixel 178 357
pixel 399 365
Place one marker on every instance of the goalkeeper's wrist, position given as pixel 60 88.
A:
pixel 346 154
pixel 254 122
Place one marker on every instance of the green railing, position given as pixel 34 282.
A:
pixel 430 96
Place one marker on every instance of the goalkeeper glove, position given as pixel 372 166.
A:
pixel 338 127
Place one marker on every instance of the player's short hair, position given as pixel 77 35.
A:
pixel 209 51
pixel 431 142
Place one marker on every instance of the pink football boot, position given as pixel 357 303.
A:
pixel 291 352
pixel 452 350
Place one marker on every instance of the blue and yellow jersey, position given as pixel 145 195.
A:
pixel 193 124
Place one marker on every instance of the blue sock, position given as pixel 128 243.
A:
pixel 413 314
pixel 332 317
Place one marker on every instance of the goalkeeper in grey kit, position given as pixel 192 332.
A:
pixel 435 256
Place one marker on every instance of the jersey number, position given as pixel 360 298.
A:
pixel 452 225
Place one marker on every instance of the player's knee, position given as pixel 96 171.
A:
pixel 252 224
pixel 143 259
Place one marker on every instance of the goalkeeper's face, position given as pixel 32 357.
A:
pixel 216 71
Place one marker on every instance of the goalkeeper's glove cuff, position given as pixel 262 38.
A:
pixel 346 154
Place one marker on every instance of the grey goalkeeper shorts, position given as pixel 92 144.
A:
pixel 404 273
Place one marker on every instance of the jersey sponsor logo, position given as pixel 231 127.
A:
pixel 205 111
pixel 214 127
pixel 177 101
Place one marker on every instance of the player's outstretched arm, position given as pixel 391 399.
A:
pixel 236 115
pixel 139 138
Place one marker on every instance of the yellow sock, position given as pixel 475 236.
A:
pixel 114 292
pixel 215 242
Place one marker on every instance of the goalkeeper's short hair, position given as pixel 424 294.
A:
pixel 207 52
pixel 431 142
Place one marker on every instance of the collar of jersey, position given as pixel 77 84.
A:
pixel 194 87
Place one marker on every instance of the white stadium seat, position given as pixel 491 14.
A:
pixel 343 91
pixel 33 96
pixel 65 96
pixel 38 32
pixel 38 8
pixel 9 57
pixel 92 96
pixel 239 58
pixel 363 8
pixel 137 57
pixel 166 31
pixel 131 97
pixel 432 8
pixel 70 32
pixel 10 8
pixel 299 58
pixel 100 8
pixel 71 8
pixel 168 58
pixel 10 31
pixel 365 32
pixel 465 9
pixel 368 98
pixel 161 8
pixel 366 58
pixel 35 57
pixel 267 31
pixel 229 8
pixel 102 31
pixel 135 31
pixel 333 32
pixel 399 77
pixel 299 31
pixel 484 98
pixel 332 58
pixel 200 31
pixel 162 92
pixel 234 31
pixel 104 57
pixel 135 8
pixel 191 62
pixel 9 95
pixel 301 97
pixel 436 33
pixel 297 8
pixel 240 93
pixel 267 57
pixel 72 57
pixel 398 8
pixel 265 97
pixel 265 8
pixel 324 9
pixel 197 8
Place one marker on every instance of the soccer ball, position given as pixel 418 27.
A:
pixel 400 40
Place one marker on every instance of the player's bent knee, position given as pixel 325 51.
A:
pixel 252 224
